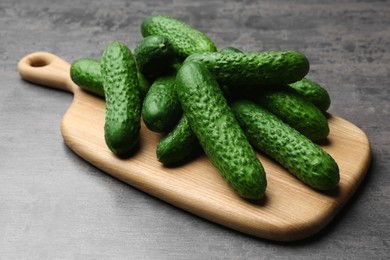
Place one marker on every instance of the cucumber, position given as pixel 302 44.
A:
pixel 123 101
pixel 297 112
pixel 312 92
pixel 267 68
pixel 300 156
pixel 218 132
pixel 154 55
pixel 161 109
pixel 85 73
pixel 185 39
pixel 178 145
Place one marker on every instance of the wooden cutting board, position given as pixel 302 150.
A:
pixel 290 210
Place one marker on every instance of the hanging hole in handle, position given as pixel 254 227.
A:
pixel 37 61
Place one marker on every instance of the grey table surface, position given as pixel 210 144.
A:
pixel 54 205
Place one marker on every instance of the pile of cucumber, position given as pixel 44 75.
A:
pixel 225 103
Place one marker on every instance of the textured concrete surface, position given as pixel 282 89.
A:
pixel 54 205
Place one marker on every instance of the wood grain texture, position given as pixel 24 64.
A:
pixel 290 210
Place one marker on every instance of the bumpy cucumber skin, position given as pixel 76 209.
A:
pixel 161 108
pixel 85 73
pixel 154 54
pixel 300 156
pixel 218 132
pixel 179 144
pixel 297 112
pixel 123 103
pixel 185 39
pixel 267 68
pixel 312 92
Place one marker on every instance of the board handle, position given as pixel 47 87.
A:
pixel 46 69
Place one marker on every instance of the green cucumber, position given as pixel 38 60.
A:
pixel 123 101
pixel 154 55
pixel 300 156
pixel 161 109
pixel 218 132
pixel 297 112
pixel 312 92
pixel 185 39
pixel 85 73
pixel 257 69
pixel 179 144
